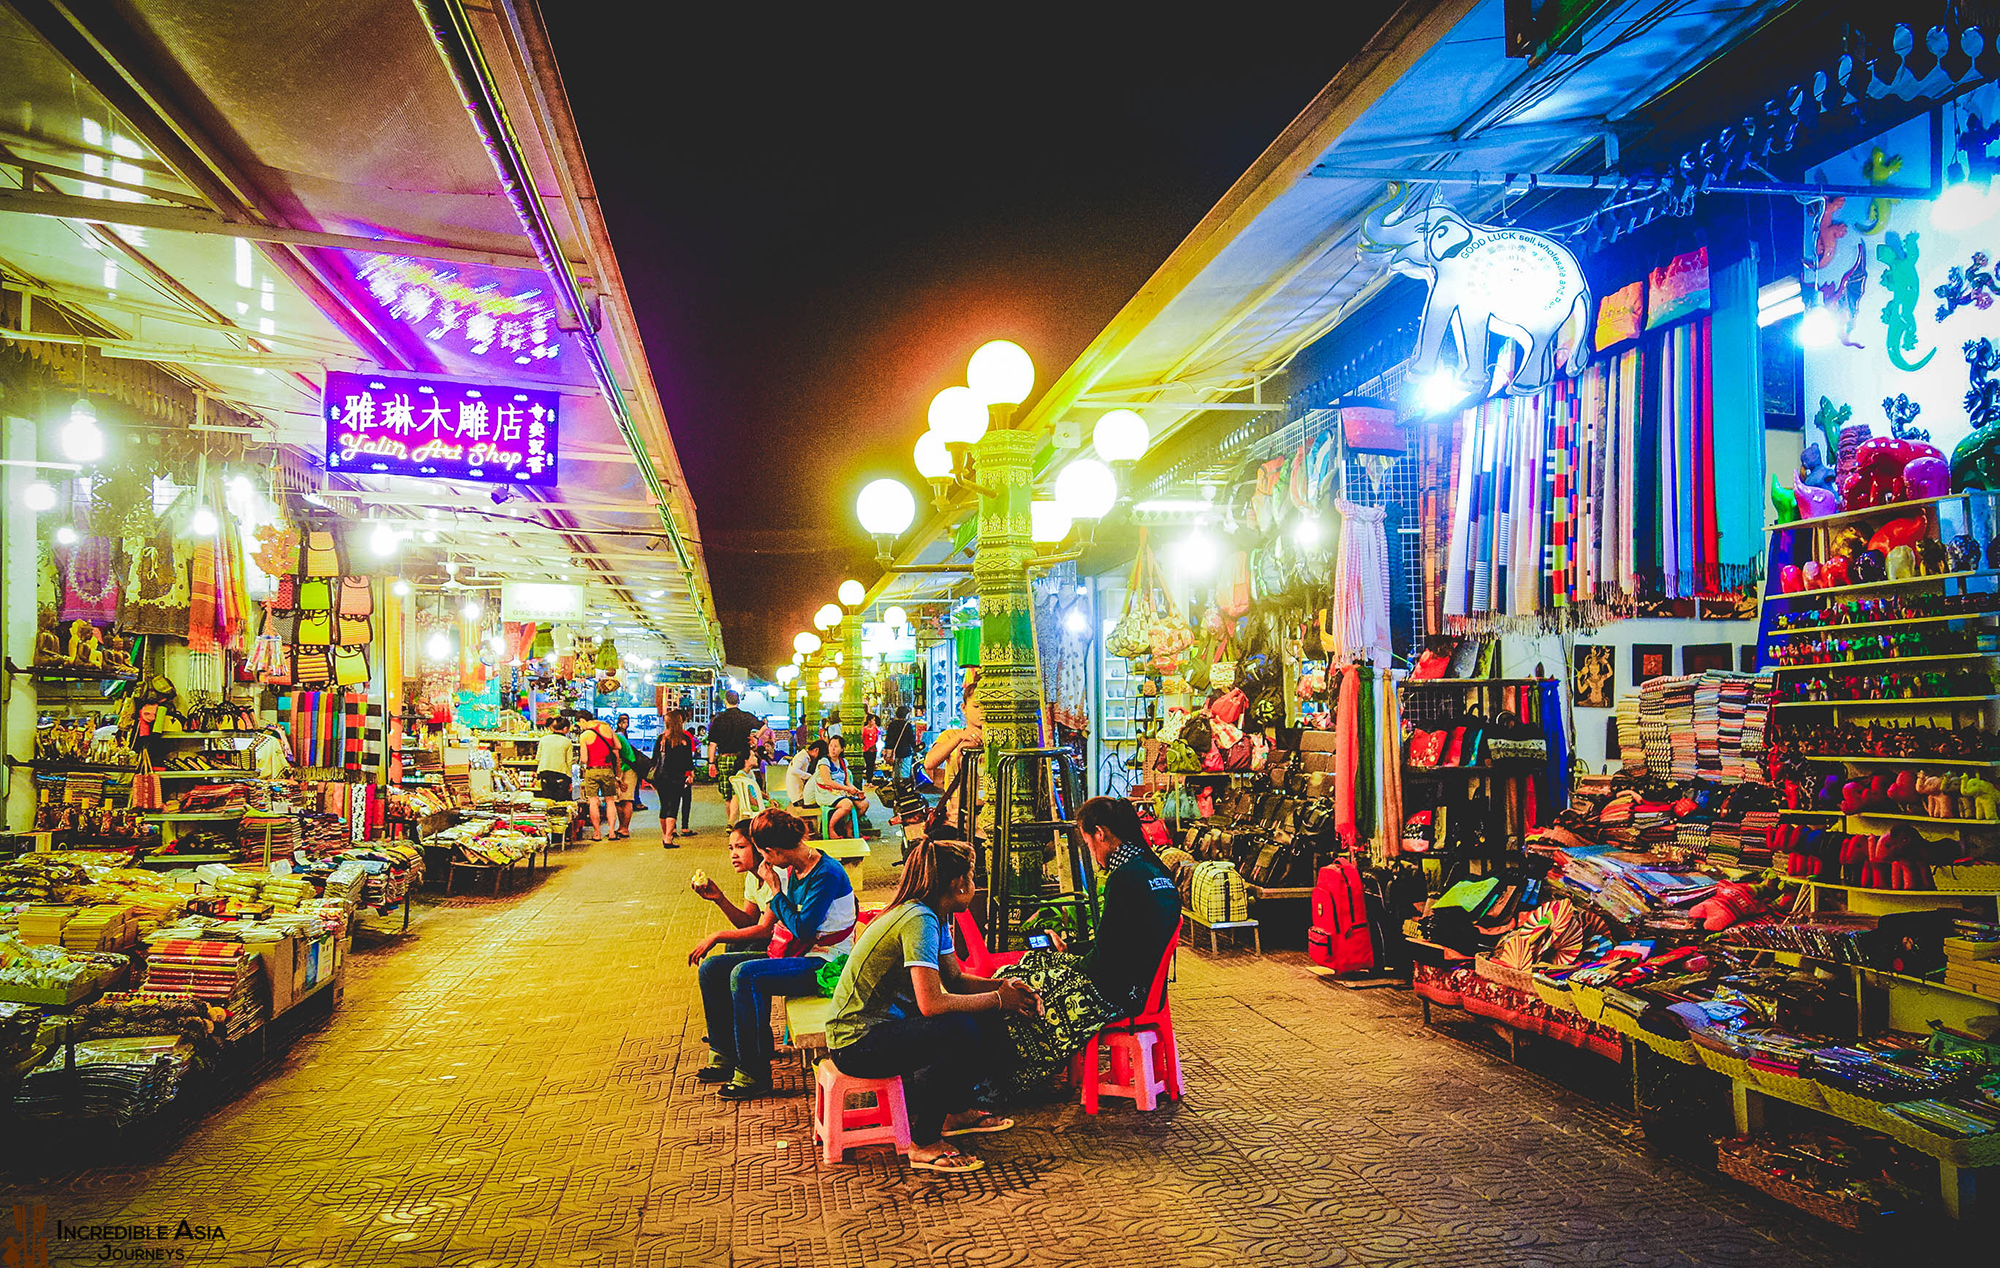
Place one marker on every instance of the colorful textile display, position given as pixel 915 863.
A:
pixel 316 733
pixel 90 571
pixel 1359 614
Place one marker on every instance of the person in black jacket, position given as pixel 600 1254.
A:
pixel 673 774
pixel 1082 994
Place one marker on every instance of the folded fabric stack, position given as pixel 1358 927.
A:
pixel 221 972
pixel 1631 744
pixel 121 1080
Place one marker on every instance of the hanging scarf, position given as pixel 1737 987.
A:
pixel 1360 607
pixel 1346 755
pixel 1368 754
pixel 1392 770
pixel 89 579
pixel 1736 392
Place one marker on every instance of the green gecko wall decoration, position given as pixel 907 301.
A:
pixel 1899 253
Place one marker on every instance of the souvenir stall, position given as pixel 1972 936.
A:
pixel 1411 662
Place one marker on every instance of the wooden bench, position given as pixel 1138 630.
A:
pixel 805 1028
pixel 1190 920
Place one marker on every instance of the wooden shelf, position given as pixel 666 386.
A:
pixel 1879 704
pixel 1870 975
pixel 1898 761
pixel 1901 893
pixel 206 774
pixel 204 735
pixel 1864 587
pixel 75 768
pixel 1890 814
pixel 77 673
pixel 1880 662
pixel 176 816
pixel 1880 625
pixel 1473 682
pixel 1867 512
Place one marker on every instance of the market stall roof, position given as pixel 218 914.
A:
pixel 251 195
pixel 1274 265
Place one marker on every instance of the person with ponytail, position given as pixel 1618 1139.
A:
pixel 905 1007
pixel 1083 994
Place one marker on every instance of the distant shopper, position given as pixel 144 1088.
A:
pixel 673 778
pixel 555 756
pixel 630 765
pixel 899 743
pixel 871 737
pixel 600 773
pixel 799 775
pixel 729 735
pixel 904 1007
pixel 749 925
pixel 814 903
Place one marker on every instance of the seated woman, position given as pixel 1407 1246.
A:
pixel 904 1007
pixel 944 762
pixel 813 904
pixel 833 787
pixel 1083 994
pixel 749 925
pixel 799 773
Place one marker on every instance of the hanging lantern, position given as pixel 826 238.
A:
pixel 607 656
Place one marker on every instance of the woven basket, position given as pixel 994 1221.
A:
pixel 1556 995
pixel 1681 1050
pixel 1787 1087
pixel 1842 1211
pixel 1959 877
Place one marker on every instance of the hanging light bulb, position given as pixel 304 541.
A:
pixel 82 439
pixel 39 496
pixel 437 647
pixel 203 522
pixel 430 537
pixel 1817 328
pixel 1196 554
pixel 1443 392
pixel 1121 436
pixel 400 588
pixel 1307 533
pixel 472 610
pixel 65 536
pixel 382 540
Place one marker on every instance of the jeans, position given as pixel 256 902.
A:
pixel 941 1059
pixel 736 993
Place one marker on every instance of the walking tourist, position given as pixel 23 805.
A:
pixel 673 777
pixel 729 735
pixel 600 773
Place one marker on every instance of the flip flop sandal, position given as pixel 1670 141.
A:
pixel 989 1123
pixel 953 1163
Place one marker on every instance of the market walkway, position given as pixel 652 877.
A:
pixel 514 1085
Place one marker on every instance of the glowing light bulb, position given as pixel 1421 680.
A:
pixel 886 507
pixel 1000 373
pixel 1307 533
pixel 382 540
pixel 805 642
pixel 400 588
pixel 1197 554
pixel 1817 328
pixel 851 593
pixel 958 416
pixel 1047 522
pixel 1121 436
pixel 39 496
pixel 82 438
pixel 1086 489
pixel 437 647
pixel 472 610
pixel 1443 392
pixel 932 458
pixel 203 522
pixel 497 643
pixel 1076 622
pixel 66 536
pixel 896 618
pixel 1963 206
pixel 827 617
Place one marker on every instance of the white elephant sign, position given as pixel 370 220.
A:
pixel 1486 280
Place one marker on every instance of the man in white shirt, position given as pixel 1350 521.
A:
pixel 555 757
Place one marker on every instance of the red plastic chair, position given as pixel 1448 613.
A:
pixel 1135 1043
pixel 973 955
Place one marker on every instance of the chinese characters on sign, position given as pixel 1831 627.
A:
pixel 385 424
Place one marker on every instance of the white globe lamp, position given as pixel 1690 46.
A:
pixel 805 643
pixel 958 416
pixel 1121 436
pixel 827 617
pixel 82 439
pixel 1047 522
pixel 851 593
pixel 1086 489
pixel 885 507
pixel 895 618
pixel 933 459
pixel 1000 373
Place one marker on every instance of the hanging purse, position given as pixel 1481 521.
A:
pixel 1510 739
pixel 1131 635
pixel 1426 747
pixel 1435 660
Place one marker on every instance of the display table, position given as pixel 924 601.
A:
pixel 1224 926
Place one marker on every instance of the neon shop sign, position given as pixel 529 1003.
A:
pixel 385 424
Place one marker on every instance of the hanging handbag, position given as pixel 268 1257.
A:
pixel 1435 660
pixel 1131 635
pixel 147 797
pixel 1178 759
pixel 1510 739
pixel 1230 707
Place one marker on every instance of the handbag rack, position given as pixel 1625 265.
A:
pixel 1038 781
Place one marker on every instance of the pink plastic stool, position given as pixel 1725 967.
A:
pixel 1144 1063
pixel 839 1128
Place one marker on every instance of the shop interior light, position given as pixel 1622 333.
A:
pixel 1817 328
pixel 933 459
pixel 472 610
pixel 1308 531
pixel 851 593
pixel 1076 622
pixel 430 537
pixel 895 618
pixel 1196 554
pixel 498 644
pixel 438 647
pixel 1443 392
pixel 1086 489
pixel 39 496
pixel 382 540
pixel 958 416
pixel 886 507
pixel 1048 523
pixel 82 438
pixel 1779 300
pixel 203 522
pixel 1121 436
pixel 805 642
pixel 400 588
pixel 656 594
pixel 66 536
pixel 1964 204
pixel 1000 373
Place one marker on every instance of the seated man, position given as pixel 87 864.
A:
pixel 813 902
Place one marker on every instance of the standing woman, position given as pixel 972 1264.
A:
pixel 871 735
pixel 673 776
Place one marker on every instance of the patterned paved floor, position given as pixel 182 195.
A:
pixel 513 1084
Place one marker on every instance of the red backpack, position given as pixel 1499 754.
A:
pixel 1339 937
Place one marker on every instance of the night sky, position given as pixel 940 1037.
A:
pixel 819 220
